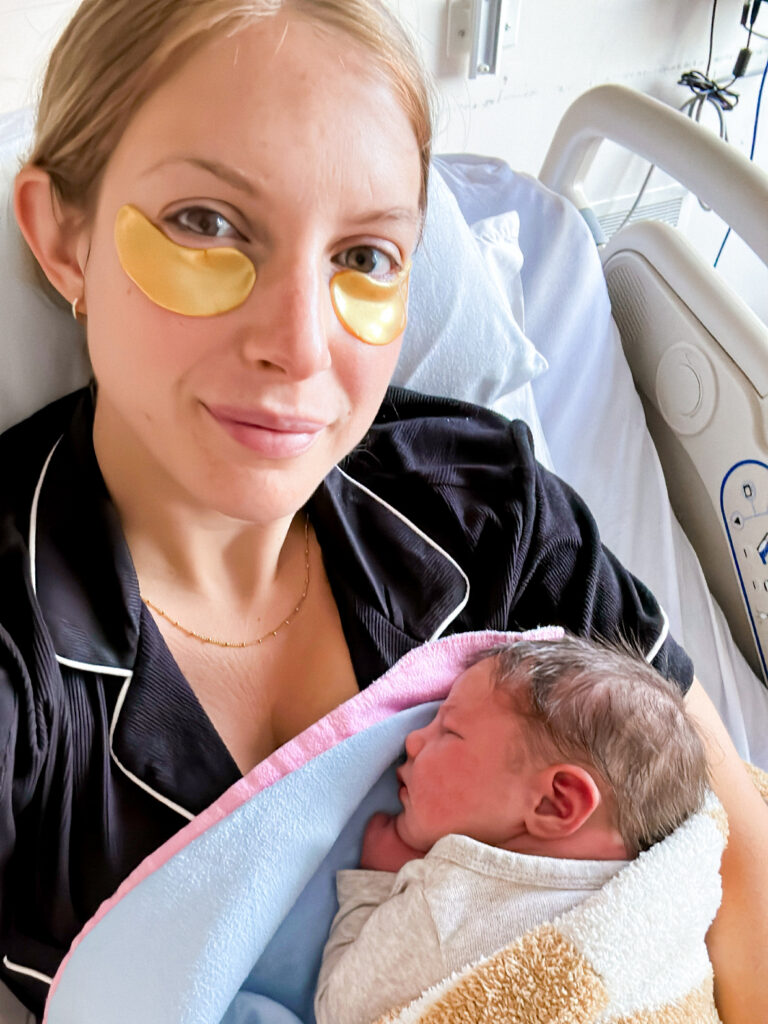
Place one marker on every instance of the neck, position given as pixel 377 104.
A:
pixel 584 844
pixel 597 838
pixel 224 562
pixel 182 550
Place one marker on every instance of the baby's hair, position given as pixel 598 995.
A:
pixel 115 53
pixel 605 708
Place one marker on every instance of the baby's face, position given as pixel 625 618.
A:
pixel 468 771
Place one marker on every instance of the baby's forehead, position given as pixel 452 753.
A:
pixel 476 686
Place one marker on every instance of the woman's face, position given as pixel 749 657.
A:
pixel 283 143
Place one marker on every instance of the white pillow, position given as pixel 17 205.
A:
pixel 497 238
pixel 462 339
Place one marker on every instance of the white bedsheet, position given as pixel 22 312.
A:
pixel 595 429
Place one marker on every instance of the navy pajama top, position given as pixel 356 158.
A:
pixel 440 521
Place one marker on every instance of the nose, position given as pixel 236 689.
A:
pixel 414 742
pixel 289 319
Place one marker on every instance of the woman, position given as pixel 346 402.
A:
pixel 229 196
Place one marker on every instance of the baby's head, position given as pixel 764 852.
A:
pixel 563 748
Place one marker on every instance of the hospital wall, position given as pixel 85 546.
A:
pixel 560 49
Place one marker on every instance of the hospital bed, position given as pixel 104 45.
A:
pixel 699 359
pixel 512 308
pixel 669 404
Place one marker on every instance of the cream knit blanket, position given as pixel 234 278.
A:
pixel 633 953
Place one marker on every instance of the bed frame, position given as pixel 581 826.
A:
pixel 698 355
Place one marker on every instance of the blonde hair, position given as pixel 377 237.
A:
pixel 604 707
pixel 115 53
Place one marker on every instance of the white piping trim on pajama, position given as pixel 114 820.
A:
pixel 662 637
pixel 134 778
pixel 420 533
pixel 33 518
pixel 106 670
pixel 28 971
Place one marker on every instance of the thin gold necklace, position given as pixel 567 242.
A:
pixel 245 643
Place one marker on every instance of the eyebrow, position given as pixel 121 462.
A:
pixel 234 178
pixel 454 725
pixel 446 709
pixel 238 180
pixel 399 214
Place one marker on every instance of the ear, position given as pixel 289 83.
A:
pixel 569 797
pixel 55 235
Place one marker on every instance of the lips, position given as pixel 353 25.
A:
pixel 267 433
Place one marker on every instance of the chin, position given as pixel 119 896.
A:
pixel 401 827
pixel 254 508
pixel 253 495
pixel 405 834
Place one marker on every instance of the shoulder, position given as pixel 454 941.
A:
pixel 25 447
pixel 24 646
pixel 420 445
pixel 441 460
pixel 430 433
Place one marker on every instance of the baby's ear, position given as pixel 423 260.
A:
pixel 54 235
pixel 569 796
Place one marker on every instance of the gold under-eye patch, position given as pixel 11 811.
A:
pixel 194 282
pixel 374 311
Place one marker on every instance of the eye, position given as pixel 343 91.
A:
pixel 368 260
pixel 199 220
pixel 451 732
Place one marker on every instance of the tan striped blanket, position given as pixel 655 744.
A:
pixel 633 953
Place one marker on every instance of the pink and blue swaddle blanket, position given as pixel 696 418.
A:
pixel 227 920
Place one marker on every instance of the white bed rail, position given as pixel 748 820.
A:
pixel 716 172
pixel 698 355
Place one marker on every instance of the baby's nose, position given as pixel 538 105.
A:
pixel 414 742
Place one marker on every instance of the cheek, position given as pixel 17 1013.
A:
pixel 136 342
pixel 127 332
pixel 364 372
pixel 129 335
pixel 435 788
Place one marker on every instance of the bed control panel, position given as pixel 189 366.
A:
pixel 744 506
pixel 697 355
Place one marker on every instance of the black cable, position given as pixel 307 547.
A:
pixel 711 37
pixel 707 90
pixel 704 90
pixel 751 151
pixel 748 20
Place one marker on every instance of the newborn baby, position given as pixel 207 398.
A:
pixel 548 766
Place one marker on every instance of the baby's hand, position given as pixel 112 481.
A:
pixel 383 849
